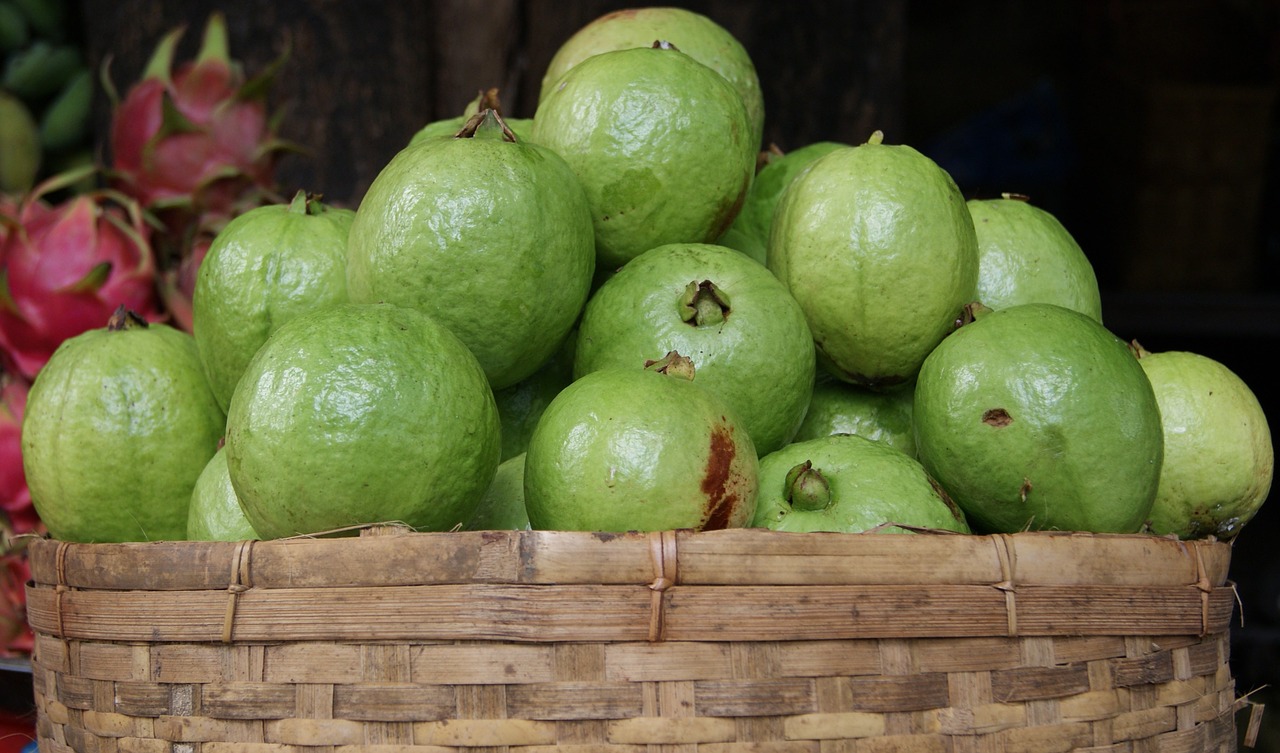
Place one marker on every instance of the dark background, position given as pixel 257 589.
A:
pixel 1146 126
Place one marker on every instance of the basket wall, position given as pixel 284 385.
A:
pixel 726 641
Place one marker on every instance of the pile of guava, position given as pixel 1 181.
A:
pixel 627 313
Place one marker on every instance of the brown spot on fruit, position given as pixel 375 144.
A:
pixel 1024 490
pixel 997 417
pixel 721 500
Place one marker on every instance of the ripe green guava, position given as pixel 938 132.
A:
pixel 265 267
pixel 640 450
pixel 502 506
pixel 1218 457
pixel 692 33
pixel 488 234
pixel 746 336
pixel 875 243
pixel 841 408
pixel 357 414
pixel 850 484
pixel 118 426
pixel 215 513
pixel 1036 416
pixel 1025 255
pixel 661 143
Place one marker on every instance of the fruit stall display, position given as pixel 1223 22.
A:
pixel 608 427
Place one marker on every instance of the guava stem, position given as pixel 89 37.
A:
pixel 124 318
pixel 1137 350
pixel 702 304
pixel 806 488
pixel 672 364
pixel 877 137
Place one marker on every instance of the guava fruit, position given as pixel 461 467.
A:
pixel 486 99
pixel 1025 255
pixel 502 506
pixel 838 407
pixel 118 426
pixel 875 243
pixel 215 513
pixel 661 143
pixel 640 450
pixel 1037 417
pixel 850 484
pixel 357 414
pixel 693 33
pixel 745 334
pixel 265 267
pixel 521 405
pixel 488 234
pixel 1218 456
pixel 776 169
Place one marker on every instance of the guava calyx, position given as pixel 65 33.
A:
pixel 305 202
pixel 702 304
pixel 124 318
pixel 487 123
pixel 662 44
pixel 672 364
pixel 806 488
pixel 972 312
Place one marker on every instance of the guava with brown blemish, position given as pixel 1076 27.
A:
pixel 1036 416
pixel 642 449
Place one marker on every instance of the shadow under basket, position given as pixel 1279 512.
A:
pixel 529 641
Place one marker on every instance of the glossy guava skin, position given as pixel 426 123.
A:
pixel 265 267
pixel 841 408
pixel 759 359
pixel 492 237
pixel 215 513
pixel 660 142
pixel 502 506
pixel 692 33
pixel 874 488
pixel 118 426
pixel 876 244
pixel 1025 255
pixel 639 450
pixel 1219 461
pixel 358 414
pixel 1036 416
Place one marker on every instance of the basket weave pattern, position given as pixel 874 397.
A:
pixel 726 641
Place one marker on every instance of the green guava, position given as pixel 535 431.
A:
pixel 1025 255
pixel 749 232
pixel 490 235
pixel 692 33
pixel 521 405
pixel 660 142
pixel 1036 416
pixel 745 334
pixel 118 426
pixel 487 99
pixel 841 408
pixel 357 414
pixel 1218 457
pixel 875 243
pixel 640 450
pixel 265 267
pixel 215 513
pixel 850 484
pixel 502 506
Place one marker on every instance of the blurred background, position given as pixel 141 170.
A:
pixel 1147 127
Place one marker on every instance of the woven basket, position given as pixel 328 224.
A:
pixel 730 641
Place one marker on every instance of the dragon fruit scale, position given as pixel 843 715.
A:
pixel 64 268
pixel 196 137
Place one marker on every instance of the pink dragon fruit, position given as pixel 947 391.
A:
pixel 15 498
pixel 64 268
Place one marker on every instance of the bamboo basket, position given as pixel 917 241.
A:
pixel 726 642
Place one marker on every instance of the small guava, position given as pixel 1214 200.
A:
pixel 1025 255
pixel 850 484
pixel 265 267
pixel 640 450
pixel 875 243
pixel 1218 456
pixel 215 513
pixel 502 506
pixel 661 143
pixel 357 414
pixel 488 234
pixel 117 428
pixel 746 336
pixel 1036 416
pixel 841 408
pixel 693 33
